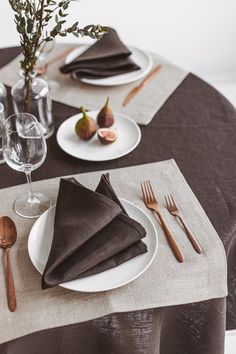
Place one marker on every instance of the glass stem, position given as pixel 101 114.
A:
pixel 31 196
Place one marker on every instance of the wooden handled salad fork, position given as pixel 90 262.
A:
pixel 173 209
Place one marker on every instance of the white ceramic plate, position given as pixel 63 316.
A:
pixel 141 58
pixel 128 131
pixel 39 244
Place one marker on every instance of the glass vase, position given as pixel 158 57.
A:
pixel 38 101
pixel 3 97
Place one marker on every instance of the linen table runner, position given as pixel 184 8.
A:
pixel 141 108
pixel 166 282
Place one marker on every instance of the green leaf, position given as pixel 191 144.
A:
pixel 75 25
pixel 69 30
pixel 30 25
pixel 76 34
pixel 57 28
pixel 65 6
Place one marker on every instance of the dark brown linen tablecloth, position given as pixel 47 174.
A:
pixel 196 127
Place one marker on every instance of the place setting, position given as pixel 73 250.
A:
pixel 94 239
pixel 137 82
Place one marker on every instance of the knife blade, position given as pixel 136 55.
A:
pixel 143 83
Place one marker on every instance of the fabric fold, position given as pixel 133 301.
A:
pixel 92 233
pixel 107 57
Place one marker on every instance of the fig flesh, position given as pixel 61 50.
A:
pixel 86 126
pixel 105 118
pixel 107 136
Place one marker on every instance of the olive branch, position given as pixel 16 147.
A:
pixel 32 19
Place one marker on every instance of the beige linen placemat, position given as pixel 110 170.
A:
pixel 166 282
pixel 74 93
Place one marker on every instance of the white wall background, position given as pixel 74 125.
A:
pixel 197 34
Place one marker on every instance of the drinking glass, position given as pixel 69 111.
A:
pixel 3 97
pixel 24 150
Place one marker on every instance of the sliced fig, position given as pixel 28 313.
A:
pixel 107 136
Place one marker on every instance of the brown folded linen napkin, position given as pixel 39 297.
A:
pixel 92 233
pixel 107 57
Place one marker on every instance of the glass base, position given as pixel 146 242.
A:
pixel 33 208
pixel 47 131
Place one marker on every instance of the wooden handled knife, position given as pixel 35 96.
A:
pixel 145 81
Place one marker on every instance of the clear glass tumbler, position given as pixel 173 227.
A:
pixel 24 150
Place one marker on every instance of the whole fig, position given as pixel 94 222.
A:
pixel 86 126
pixel 105 118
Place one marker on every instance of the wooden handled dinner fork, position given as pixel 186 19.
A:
pixel 151 203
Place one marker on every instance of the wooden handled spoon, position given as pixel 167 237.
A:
pixel 8 235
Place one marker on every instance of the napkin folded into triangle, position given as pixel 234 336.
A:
pixel 107 57
pixel 92 233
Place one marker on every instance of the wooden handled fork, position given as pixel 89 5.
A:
pixel 173 210
pixel 151 203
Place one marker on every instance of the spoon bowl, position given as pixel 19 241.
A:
pixel 8 232
pixel 8 235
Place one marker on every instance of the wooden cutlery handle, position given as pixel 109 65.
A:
pixel 11 297
pixel 191 238
pixel 151 75
pixel 173 244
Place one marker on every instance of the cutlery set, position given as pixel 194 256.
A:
pixel 151 203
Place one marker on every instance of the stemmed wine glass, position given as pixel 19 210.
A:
pixel 24 150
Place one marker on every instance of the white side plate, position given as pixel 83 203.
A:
pixel 128 132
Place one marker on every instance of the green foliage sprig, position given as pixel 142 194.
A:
pixel 33 18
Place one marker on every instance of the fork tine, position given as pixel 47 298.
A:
pixel 174 205
pixel 167 203
pixel 147 192
pixel 152 193
pixel 143 193
pixel 170 202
